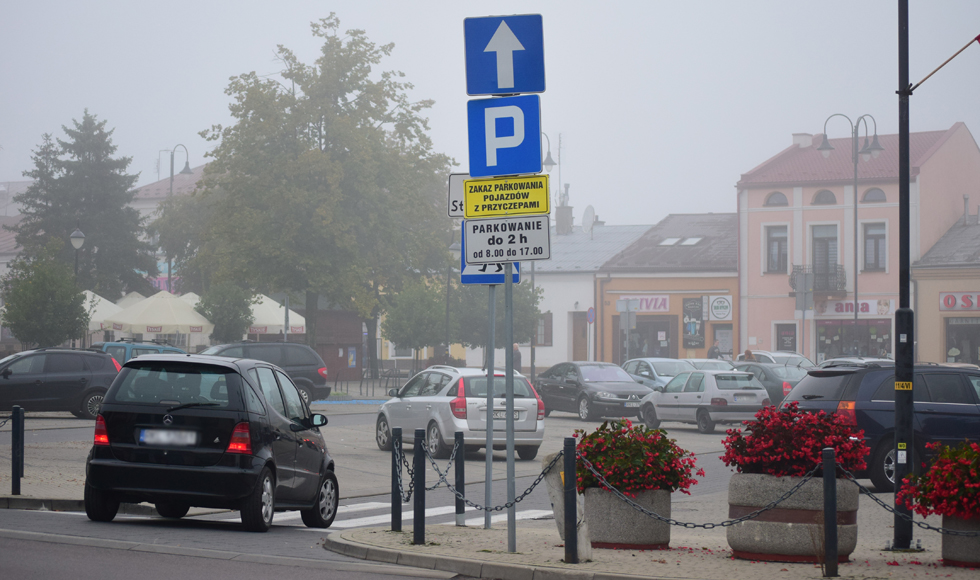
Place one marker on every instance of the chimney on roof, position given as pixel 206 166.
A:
pixel 803 140
pixel 563 220
pixel 966 208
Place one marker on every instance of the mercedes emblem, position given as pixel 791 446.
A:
pixel 168 419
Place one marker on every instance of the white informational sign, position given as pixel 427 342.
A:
pixel 509 239
pixel 720 307
pixel 456 194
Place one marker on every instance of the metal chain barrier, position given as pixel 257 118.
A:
pixel 691 525
pixel 507 505
pixel 396 442
pixel 5 419
pixel 442 476
pixel 906 517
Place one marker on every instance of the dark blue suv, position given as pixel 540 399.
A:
pixel 946 407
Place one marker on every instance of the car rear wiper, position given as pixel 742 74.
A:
pixel 188 405
pixel 808 397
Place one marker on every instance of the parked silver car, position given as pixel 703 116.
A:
pixel 655 372
pixel 710 364
pixel 443 400
pixel 705 398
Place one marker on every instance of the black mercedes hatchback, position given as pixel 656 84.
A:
pixel 183 431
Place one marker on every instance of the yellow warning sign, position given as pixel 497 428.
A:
pixel 901 446
pixel 506 196
pixel 903 386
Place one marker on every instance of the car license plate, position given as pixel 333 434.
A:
pixel 168 437
pixel 501 415
pixel 636 404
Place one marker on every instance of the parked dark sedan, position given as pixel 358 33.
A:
pixel 189 430
pixel 590 389
pixel 778 379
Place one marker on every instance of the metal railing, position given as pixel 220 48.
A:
pixel 830 278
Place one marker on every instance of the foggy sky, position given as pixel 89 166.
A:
pixel 661 106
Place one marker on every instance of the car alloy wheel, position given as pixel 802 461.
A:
pixel 267 503
pixel 585 409
pixel 91 405
pixel 382 434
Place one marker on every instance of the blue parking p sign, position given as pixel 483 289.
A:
pixel 504 54
pixel 504 135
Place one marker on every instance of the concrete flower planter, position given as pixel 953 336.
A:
pixel 793 531
pixel 614 523
pixel 963 551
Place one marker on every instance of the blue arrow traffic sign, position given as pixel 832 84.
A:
pixel 504 54
pixel 483 273
pixel 504 135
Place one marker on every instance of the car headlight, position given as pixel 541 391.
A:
pixel 605 395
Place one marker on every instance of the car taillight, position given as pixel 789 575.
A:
pixel 458 405
pixel 766 402
pixel 322 371
pixel 101 435
pixel 786 388
pixel 115 362
pixel 846 410
pixel 241 440
pixel 719 402
pixel 540 409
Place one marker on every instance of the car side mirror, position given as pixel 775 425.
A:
pixel 658 389
pixel 646 374
pixel 318 420
pixel 6 373
pixel 392 392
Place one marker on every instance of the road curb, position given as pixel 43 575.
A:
pixel 335 542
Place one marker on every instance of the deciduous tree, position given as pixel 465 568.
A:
pixel 229 307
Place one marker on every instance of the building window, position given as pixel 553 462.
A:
pixel 401 352
pixel 543 337
pixel 824 257
pixel 874 195
pixel 777 250
pixel 775 199
pixel 824 197
pixel 874 247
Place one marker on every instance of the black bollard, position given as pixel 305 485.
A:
pixel 830 513
pixel 460 479
pixel 571 517
pixel 418 519
pixel 17 451
pixel 396 467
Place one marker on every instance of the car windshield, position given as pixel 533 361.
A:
pixel 792 360
pixel 477 387
pixel 9 358
pixel 175 384
pixel 605 374
pixel 788 373
pixel 711 365
pixel 672 368
pixel 733 381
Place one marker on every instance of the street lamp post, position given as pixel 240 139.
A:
pixel 454 251
pixel 866 153
pixel 77 240
pixel 185 171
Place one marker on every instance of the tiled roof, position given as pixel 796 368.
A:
pixel 581 252
pixel 802 165
pixel 8 241
pixel 715 251
pixel 183 185
pixel 959 246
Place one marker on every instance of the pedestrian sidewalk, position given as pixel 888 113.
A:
pixel 693 554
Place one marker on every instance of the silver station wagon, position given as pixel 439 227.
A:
pixel 444 399
pixel 705 398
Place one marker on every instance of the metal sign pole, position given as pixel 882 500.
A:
pixel 509 389
pixel 488 501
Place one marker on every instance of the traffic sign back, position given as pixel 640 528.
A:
pixel 504 54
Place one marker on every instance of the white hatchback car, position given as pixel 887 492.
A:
pixel 705 398
pixel 443 400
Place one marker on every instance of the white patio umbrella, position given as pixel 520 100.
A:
pixel 269 318
pixel 162 313
pixel 191 298
pixel 102 310
pixel 129 299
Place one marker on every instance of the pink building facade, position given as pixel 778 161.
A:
pixel 796 214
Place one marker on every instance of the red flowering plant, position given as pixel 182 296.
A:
pixel 950 486
pixel 633 458
pixel 788 441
